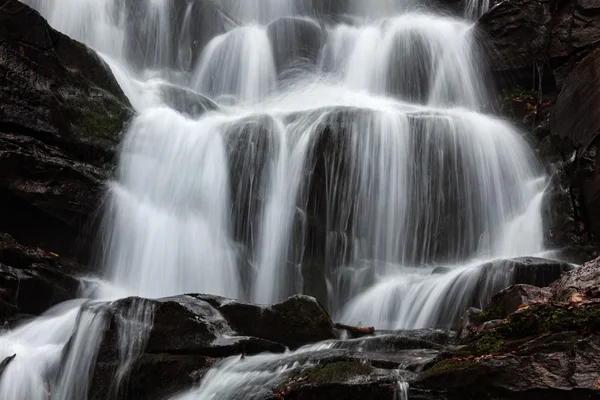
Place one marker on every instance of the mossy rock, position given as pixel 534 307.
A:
pixel 449 365
pixel 532 322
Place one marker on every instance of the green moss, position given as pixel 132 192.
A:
pixel 101 117
pixel 485 316
pixel 338 371
pixel 449 365
pixel 534 321
pixel 519 93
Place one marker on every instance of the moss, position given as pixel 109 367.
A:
pixel 338 371
pixel 97 120
pixel 485 316
pixel 519 93
pixel 99 116
pixel 534 321
pixel 449 365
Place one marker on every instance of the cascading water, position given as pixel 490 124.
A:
pixel 351 178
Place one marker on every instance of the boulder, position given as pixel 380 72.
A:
pixel 187 101
pixel 510 299
pixel 296 44
pixel 61 116
pixel 583 281
pixel 295 322
pixel 171 342
pixel 31 280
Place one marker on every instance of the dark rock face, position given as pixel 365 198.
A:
pixel 540 44
pixel 61 116
pixel 524 34
pixel 575 118
pixel 31 281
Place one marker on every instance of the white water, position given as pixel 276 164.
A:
pixel 351 180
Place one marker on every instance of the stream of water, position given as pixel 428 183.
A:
pixel 282 147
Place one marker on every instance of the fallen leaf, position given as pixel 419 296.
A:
pixel 53 254
pixel 530 107
pixel 576 298
pixel 522 306
pixel 598 384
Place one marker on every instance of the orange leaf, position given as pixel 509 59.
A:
pixel 598 384
pixel 576 298
pixel 522 306
pixel 53 254
pixel 530 107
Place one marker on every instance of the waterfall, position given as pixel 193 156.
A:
pixel 286 147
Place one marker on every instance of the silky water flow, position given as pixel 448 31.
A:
pixel 282 151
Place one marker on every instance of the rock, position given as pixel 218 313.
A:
pixel 468 322
pixel 535 271
pixel 187 101
pixel 59 91
pixel 295 322
pixel 575 119
pixel 575 115
pixel 179 337
pixel 152 377
pixel 47 197
pixel 31 281
pixel 524 33
pixel 510 299
pixel 182 325
pixel 559 366
pixel 60 122
pixel 5 363
pixel 440 270
pixel 584 280
pixel 296 44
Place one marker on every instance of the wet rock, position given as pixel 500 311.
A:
pixel 59 91
pixel 510 299
pixel 296 43
pixel 60 122
pixel 468 322
pixel 525 35
pixel 575 119
pixel 181 325
pixel 178 338
pixel 560 366
pixel 31 281
pixel 5 363
pixel 151 377
pixel 187 101
pixel 535 271
pixel 440 270
pixel 584 281
pixel 295 322
pixel 574 115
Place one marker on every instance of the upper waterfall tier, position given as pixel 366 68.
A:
pixel 282 146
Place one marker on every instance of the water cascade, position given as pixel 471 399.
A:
pixel 286 147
